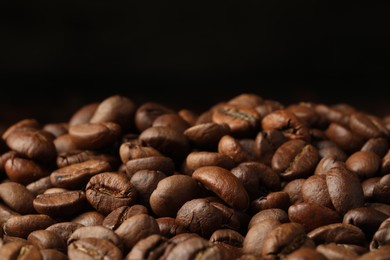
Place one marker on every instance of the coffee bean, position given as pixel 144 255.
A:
pixel 17 197
pixel 332 151
pixel 224 184
pixel 232 148
pixel 315 190
pixel 326 163
pixel 382 235
pixel 83 115
pixel 117 216
pixel 337 251
pixel 288 123
pixel 385 167
pixel 278 199
pixel 305 253
pixel 196 160
pixel 364 164
pixel 344 138
pixel 367 126
pixel 169 227
pixel 145 182
pixel 52 254
pixel 64 204
pixel 155 163
pixel 56 129
pixel 151 247
pixel 165 200
pixel 206 135
pixel 116 109
pixel 22 226
pixel 40 186
pixel 69 158
pixel 25 123
pixel 24 171
pixel 227 236
pixel 332 115
pixel 173 121
pixel 381 253
pixel 93 248
pixel 129 151
pixel 148 112
pixel 45 239
pixel 367 219
pixel 65 144
pixel 246 100
pixel 275 214
pixel 4 158
pixel 89 218
pixel 294 190
pixel 266 143
pixel 295 159
pixel 64 229
pixel 306 113
pixel 95 136
pixel 77 175
pixel 378 145
pixel 267 107
pixel 338 233
pixel 19 250
pixel 189 116
pixel 108 191
pixel 381 191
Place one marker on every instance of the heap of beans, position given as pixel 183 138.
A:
pixel 247 179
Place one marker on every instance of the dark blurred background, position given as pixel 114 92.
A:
pixel 84 51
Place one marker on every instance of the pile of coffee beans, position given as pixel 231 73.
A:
pixel 247 179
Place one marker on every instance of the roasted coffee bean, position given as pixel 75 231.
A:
pixel 64 204
pixel 381 236
pixel 227 236
pixel 344 189
pixel 45 239
pixel 173 121
pixel 385 167
pixel 117 216
pixel 166 140
pixel 332 115
pixel 154 163
pixel 136 228
pixel 364 164
pixel 266 143
pixel 275 214
pixel 57 129
pixel 246 100
pixel 117 109
pixel 315 190
pixel 32 143
pixel 368 186
pixel 64 229
pixel 40 186
pixel 278 199
pixel 312 215
pixel 145 182
pixel 224 184
pixel 65 144
pixel 305 253
pixel 333 151
pixel 295 159
pixel 367 126
pixel 294 190
pixel 4 158
pixel 288 123
pixel 326 163
pixel 337 251
pixel 207 135
pixel 89 218
pixel 306 113
pixel 367 219
pixel 268 106
pixel 151 248
pixel 17 197
pixel 93 248
pixel 243 121
pixel 382 190
pixel 20 251
pixel 171 193
pixel 189 116
pixel 77 175
pixel 22 226
pixel 148 112
pixel 5 214
pixel 108 191
pixel 344 138
pixel 169 227
pixel 95 136
pixel 25 123
pixel 232 148
pixel 24 171
pixel 378 145
pixel 284 240
pixel 338 233
pixel 196 160
pixel 52 254
pixel 83 115
pixel 381 253
pixel 67 159
pixel 129 151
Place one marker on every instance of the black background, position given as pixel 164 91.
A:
pixel 84 51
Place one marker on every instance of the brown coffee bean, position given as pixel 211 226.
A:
pixel 54 190
pixel 368 186
pixel 267 107
pixel 294 190
pixel 382 190
pixel 148 112
pixel 94 136
pixel 312 215
pixel 5 214
pixel 243 121
pixel 130 151
pixel 64 229
pixel 65 144
pixel 196 160
pixel 151 247
pixel 4 158
pixel 83 115
pixel 206 135
pixel 382 236
pixel 274 214
pixel 136 228
pixel 385 167
pixel 117 216
pixel 56 129
pixel 24 171
pixel 332 115
pixel 326 163
pixel 278 199
pixel 337 251
pixel 333 151
pixel 223 183
pixel 173 121
pixel 93 248
pixel 338 233
pixel 145 182
pixel 116 109
pixel 67 159
pixel 364 164
pixel 344 189
pixel 166 140
pixel 285 239
pixel 32 143
pixel 89 218
pixel 381 253
pixel 20 251
pixel 22 226
pixel 108 191
pixel 306 113
pixel 295 159
pixel 52 254
pixel 344 138
pixel 77 175
pixel 45 239
pixel 25 123
pixel 171 193
pixel 367 126
pixel 189 116
pixel 367 219
pixel 17 197
pixel 378 145
pixel 231 147
pixel 169 227
pixel 305 253
pixel 246 100
pixel 288 123
pixel 57 205
pixel 39 186
pixel 227 236
pixel 155 163
pixel 315 190
pixel 266 143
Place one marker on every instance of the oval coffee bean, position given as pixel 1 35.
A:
pixel 266 143
pixel 381 191
pixel 89 218
pixel 227 236
pixel 196 160
pixel 275 214
pixel 367 219
pixel 145 182
pixel 367 126
pixel 338 233
pixel 148 112
pixel 19 250
pixel 129 151
pixel 83 115
pixel 17 197
pixel 155 163
pixel 45 239
pixel 93 248
pixel 231 147
pixel 344 138
pixel 378 145
pixel 117 216
pixel 364 164
pixel 24 171
pixel 22 226
pixel 151 247
pixel 315 190
pixel 173 121
pixel 64 229
pixel 25 123
pixel 52 254
pixel 223 183
pixel 169 227
pixel 294 190
pixel 207 135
